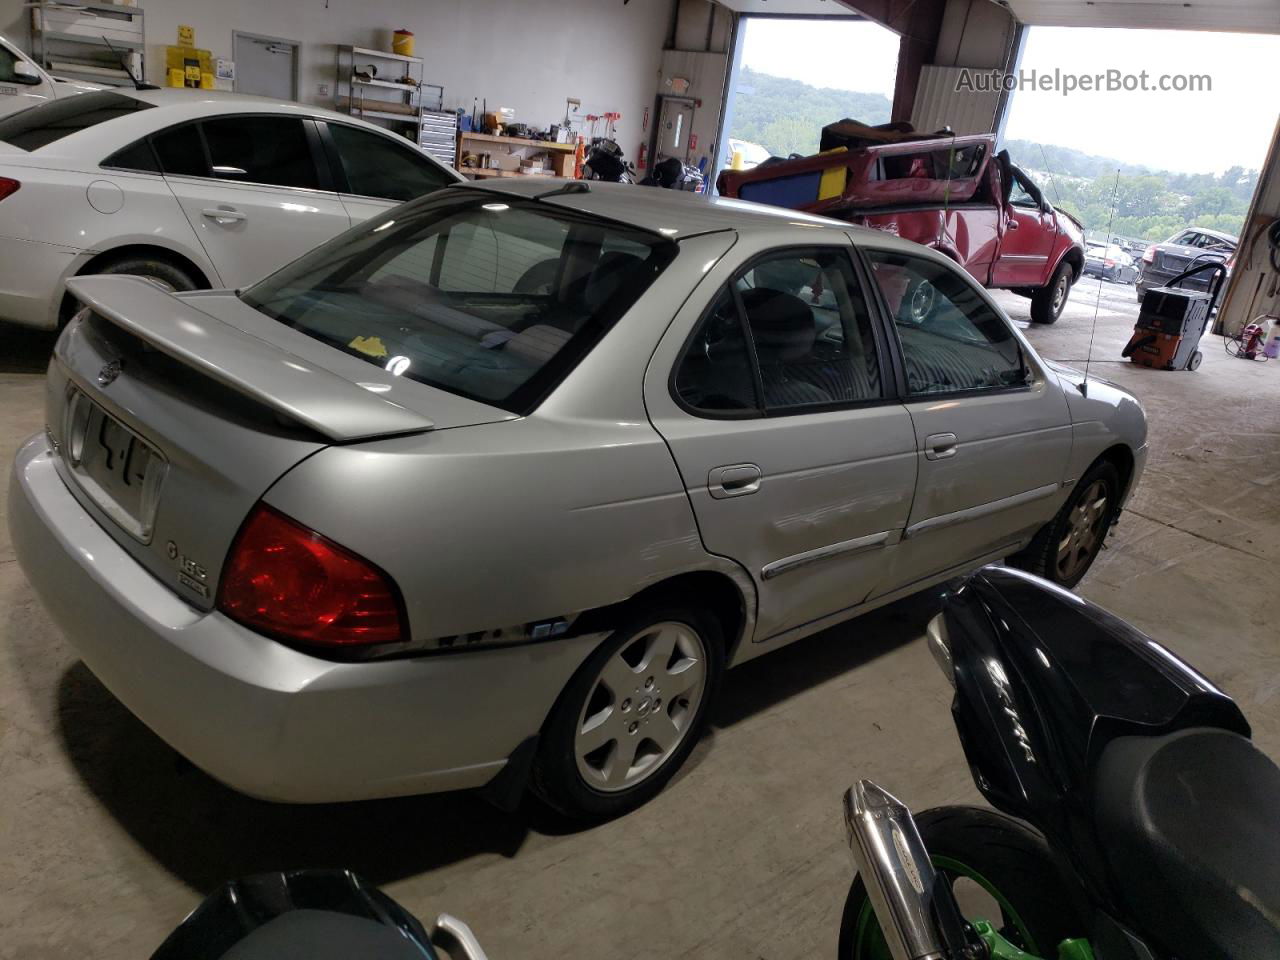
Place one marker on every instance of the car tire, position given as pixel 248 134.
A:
pixel 168 275
pixel 1064 549
pixel 1049 301
pixel 1039 905
pixel 625 705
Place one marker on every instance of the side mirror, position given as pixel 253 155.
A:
pixel 26 73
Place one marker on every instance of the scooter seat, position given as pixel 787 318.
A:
pixel 1189 824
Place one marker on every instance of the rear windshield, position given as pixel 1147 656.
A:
pixel 490 297
pixel 45 123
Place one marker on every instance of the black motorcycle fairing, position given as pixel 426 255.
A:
pixel 312 914
pixel 1044 681
pixel 1187 824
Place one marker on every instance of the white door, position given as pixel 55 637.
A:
pixel 254 198
pixel 265 66
pixel 21 86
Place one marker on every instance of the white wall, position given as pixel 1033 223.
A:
pixel 525 54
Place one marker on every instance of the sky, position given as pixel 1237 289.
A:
pixel 847 55
pixel 1202 132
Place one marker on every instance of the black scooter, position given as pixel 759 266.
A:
pixel 1138 820
pixel 316 914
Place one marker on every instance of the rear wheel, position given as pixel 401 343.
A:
pixel 631 714
pixel 165 274
pixel 1196 359
pixel 1048 302
pixel 1000 870
pixel 1067 545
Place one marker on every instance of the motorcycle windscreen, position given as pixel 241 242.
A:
pixel 1045 680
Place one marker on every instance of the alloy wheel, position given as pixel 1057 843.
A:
pixel 1086 527
pixel 641 706
pixel 1060 294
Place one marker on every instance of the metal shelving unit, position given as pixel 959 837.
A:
pixel 76 40
pixel 431 128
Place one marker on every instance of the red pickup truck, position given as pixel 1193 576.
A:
pixel 955 194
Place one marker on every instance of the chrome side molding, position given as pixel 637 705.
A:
pixel 843 549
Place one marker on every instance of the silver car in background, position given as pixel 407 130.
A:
pixel 490 490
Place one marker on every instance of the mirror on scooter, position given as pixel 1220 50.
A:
pixel 317 914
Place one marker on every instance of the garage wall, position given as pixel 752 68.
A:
pixel 528 56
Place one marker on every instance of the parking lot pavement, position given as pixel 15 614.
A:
pixel 110 838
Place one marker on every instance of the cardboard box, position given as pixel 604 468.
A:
pixel 504 161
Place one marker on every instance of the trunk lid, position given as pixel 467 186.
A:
pixel 171 421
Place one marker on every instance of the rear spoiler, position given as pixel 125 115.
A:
pixel 317 398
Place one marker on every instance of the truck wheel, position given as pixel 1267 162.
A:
pixel 1048 301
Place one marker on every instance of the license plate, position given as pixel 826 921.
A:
pixel 119 471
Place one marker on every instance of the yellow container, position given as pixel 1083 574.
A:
pixel 402 43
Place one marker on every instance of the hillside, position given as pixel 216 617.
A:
pixel 787 116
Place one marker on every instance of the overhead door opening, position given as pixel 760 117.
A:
pixel 792 76
pixel 1153 139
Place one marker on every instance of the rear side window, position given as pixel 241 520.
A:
pixel 490 297
pixel 270 150
pixel 139 156
pixel 794 331
pixel 49 122
pixel 377 167
pixel 181 151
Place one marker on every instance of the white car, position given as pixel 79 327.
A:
pixel 191 189
pixel 24 84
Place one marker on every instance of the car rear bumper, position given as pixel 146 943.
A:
pixel 31 275
pixel 265 719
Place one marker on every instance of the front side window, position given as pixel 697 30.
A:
pixel 377 167
pixel 49 122
pixel 1021 196
pixel 793 327
pixel 490 297
pixel 267 150
pixel 7 60
pixel 952 341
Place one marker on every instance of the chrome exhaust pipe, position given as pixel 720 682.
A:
pixel 894 865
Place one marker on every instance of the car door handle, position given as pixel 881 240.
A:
pixel 224 214
pixel 939 446
pixel 736 480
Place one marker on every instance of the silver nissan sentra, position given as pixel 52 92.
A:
pixel 493 488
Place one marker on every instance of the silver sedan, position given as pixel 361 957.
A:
pixel 491 490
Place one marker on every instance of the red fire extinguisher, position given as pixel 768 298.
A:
pixel 642 159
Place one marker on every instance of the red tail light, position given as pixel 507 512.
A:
pixel 288 581
pixel 1108 263
pixel 1149 254
pixel 8 187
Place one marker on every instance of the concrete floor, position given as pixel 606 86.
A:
pixel 108 838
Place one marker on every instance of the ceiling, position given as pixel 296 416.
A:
pixel 791 8
pixel 1247 16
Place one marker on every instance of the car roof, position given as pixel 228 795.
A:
pixel 175 105
pixel 1221 235
pixel 673 213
